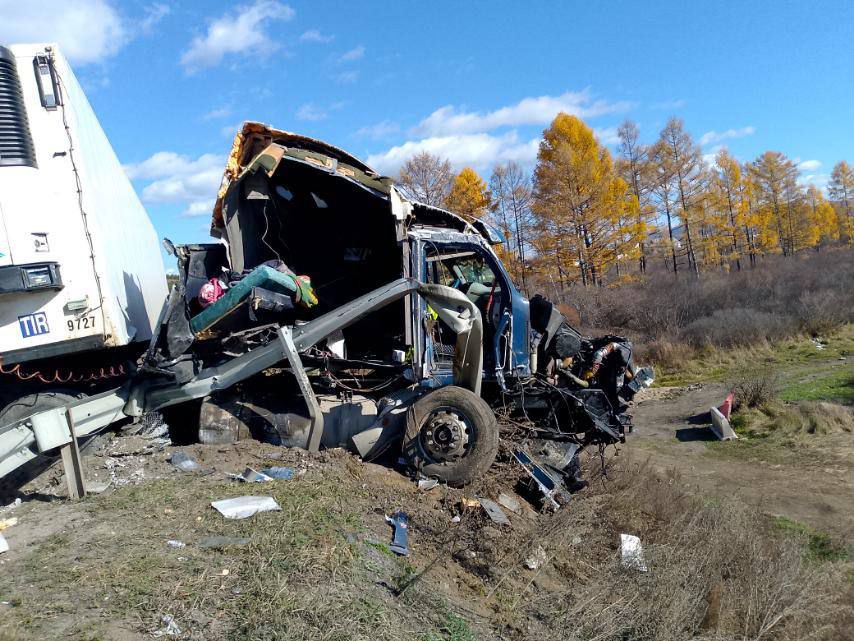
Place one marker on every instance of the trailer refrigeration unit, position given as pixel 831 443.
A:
pixel 81 275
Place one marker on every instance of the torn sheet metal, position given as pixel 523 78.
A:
pixel 251 476
pixel 400 539
pixel 549 486
pixel 495 513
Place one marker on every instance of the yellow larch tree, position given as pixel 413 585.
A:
pixel 580 205
pixel 727 197
pixel 822 215
pixel 469 195
pixel 841 189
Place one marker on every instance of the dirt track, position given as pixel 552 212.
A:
pixel 807 480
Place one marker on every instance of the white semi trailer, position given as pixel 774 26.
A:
pixel 81 277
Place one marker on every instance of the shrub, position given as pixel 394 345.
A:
pixel 779 298
pixel 823 310
pixel 716 571
pixel 736 327
pixel 756 389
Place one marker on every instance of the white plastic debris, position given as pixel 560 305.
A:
pixel 4 546
pixel 173 543
pixel 169 629
pixel 505 500
pixel 242 507
pixel 97 488
pixel 11 505
pixel 427 484
pixel 536 559
pixel 183 462
pixel 456 519
pixel 631 552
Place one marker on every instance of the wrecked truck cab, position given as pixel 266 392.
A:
pixel 306 231
pixel 333 311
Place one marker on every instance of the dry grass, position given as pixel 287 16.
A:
pixel 806 417
pixel 716 571
pixel 306 573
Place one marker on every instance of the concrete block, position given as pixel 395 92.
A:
pixel 721 426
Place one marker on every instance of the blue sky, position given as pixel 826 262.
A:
pixel 476 82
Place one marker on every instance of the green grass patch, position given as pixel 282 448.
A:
pixel 455 628
pixel 704 365
pixel 837 385
pixel 819 546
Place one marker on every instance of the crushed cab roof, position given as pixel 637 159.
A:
pixel 259 145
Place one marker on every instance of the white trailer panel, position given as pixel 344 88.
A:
pixel 70 215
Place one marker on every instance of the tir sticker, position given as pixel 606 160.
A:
pixel 33 324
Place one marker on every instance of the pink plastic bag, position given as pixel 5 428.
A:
pixel 212 291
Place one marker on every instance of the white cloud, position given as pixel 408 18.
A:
pixel 87 31
pixel 667 105
pixel 819 180
pixel 356 53
pixel 539 110
pixel 240 33
pixel 199 208
pixel 154 13
pixel 481 151
pixel 310 112
pixel 347 78
pixel 216 114
pixel 710 157
pixel 809 165
pixel 313 35
pixel 607 135
pixel 718 136
pixel 177 178
pixel 379 130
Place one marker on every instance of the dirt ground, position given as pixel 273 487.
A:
pixel 807 480
pixel 104 568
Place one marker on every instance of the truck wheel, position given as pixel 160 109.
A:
pixel 452 435
pixel 32 403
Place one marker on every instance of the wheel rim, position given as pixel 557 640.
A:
pixel 447 434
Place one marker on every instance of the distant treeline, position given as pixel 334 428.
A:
pixel 585 217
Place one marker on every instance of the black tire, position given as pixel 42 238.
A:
pixel 469 434
pixel 32 403
pixel 21 408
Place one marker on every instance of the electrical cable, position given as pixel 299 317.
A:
pixel 58 376
pixel 78 182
